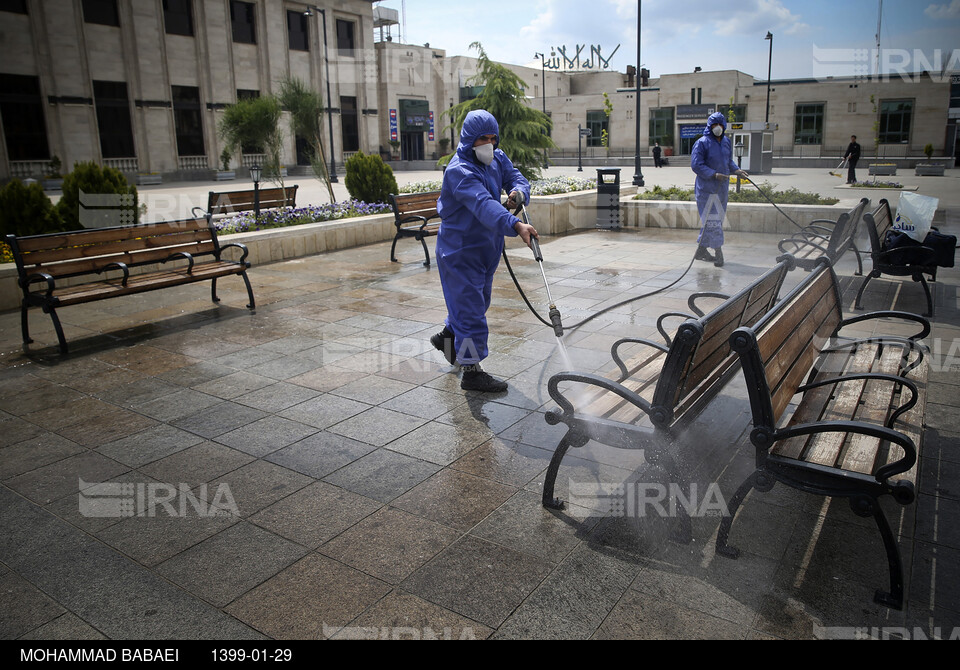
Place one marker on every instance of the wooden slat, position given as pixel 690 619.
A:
pixel 825 448
pixel 862 450
pixel 131 259
pixel 35 243
pixel 89 249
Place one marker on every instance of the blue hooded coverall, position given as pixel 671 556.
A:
pixel 470 241
pixel 710 156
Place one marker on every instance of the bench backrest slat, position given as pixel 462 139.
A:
pixel 701 354
pixel 87 251
pixel 787 341
pixel 846 229
pixel 415 204
pixel 878 224
pixel 230 202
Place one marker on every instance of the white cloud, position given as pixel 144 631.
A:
pixel 939 12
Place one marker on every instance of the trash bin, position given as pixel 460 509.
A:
pixel 608 198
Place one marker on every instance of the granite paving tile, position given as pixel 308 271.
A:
pixel 382 475
pixel 320 454
pixel 266 435
pixel 402 616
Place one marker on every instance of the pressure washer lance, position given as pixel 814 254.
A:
pixel 554 313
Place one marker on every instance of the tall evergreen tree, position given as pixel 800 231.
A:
pixel 306 111
pixel 524 130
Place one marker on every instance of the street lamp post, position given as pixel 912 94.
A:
pixel 255 176
pixel 543 87
pixel 738 148
pixel 326 61
pixel 769 64
pixel 638 174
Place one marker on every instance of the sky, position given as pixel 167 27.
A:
pixel 811 38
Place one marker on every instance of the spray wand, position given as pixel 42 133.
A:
pixel 554 313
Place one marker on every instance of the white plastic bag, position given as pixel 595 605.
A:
pixel 915 214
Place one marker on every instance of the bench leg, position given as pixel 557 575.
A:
pixel 863 506
pixel 393 248
pixel 926 289
pixel 426 253
pixel 24 327
pixel 213 290
pixel 856 252
pixel 724 549
pixel 246 280
pixel 569 440
pixel 863 286
pixel 56 325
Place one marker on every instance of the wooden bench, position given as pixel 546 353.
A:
pixel 231 202
pixel 824 237
pixel 914 262
pixel 833 415
pixel 415 215
pixel 61 269
pixel 665 386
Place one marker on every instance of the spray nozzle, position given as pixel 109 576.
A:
pixel 535 245
pixel 555 320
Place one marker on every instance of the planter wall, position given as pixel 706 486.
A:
pixel 929 170
pixel 885 170
pixel 148 179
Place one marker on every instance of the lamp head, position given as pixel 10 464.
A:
pixel 255 173
pixel 769 36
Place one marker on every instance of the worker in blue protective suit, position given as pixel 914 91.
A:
pixel 712 160
pixel 470 242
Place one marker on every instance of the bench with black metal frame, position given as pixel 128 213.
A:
pixel 914 261
pixel 833 415
pixel 231 202
pixel 415 215
pixel 650 398
pixel 824 237
pixel 61 269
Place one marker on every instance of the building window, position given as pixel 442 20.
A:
pixel 852 107
pixel 187 120
pixel 243 21
pixel 13 6
pixel 349 123
pixel 103 12
pixel 895 117
pixel 661 126
pixel 113 119
pixel 247 93
pixel 21 109
pixel 345 43
pixel 808 123
pixel 297 31
pixel 177 18
pixel 739 113
pixel 696 96
pixel 597 123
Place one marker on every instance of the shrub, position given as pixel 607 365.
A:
pixel 370 179
pixel 26 210
pixel 90 178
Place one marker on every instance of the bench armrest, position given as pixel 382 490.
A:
pixel 907 344
pixel 119 266
pixel 799 243
pixel 863 428
pixel 593 380
pixel 237 245
pixel 38 277
pixel 894 379
pixel 692 300
pixel 894 314
pixel 663 333
pixel 181 254
pixel 615 354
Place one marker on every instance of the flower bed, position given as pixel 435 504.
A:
pixel 789 197
pixel 281 218
pixel 549 186
pixel 876 184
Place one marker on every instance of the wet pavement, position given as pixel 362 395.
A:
pixel 313 469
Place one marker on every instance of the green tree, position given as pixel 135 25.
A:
pixel 524 130
pixel 306 112
pixel 369 179
pixel 255 122
pixel 90 178
pixel 607 111
pixel 26 210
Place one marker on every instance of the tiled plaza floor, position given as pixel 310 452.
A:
pixel 316 471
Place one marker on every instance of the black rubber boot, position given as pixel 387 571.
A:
pixel 718 261
pixel 475 379
pixel 444 343
pixel 704 255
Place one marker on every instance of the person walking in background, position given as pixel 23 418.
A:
pixel 656 154
pixel 712 161
pixel 852 156
pixel 470 243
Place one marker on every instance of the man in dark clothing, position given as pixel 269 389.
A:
pixel 656 154
pixel 852 156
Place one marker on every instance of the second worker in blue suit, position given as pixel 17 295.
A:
pixel 470 242
pixel 712 160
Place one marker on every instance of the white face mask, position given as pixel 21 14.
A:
pixel 484 153
pixel 718 130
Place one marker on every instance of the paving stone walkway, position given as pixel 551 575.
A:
pixel 313 469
